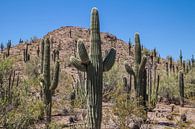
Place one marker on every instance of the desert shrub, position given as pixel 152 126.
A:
pixel 54 125
pixel 168 85
pixel 126 109
pixel 19 107
pixel 111 79
pixel 32 68
pixel 190 84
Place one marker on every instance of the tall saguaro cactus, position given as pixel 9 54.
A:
pixel 138 69
pixel 181 88
pixel 48 86
pixel 94 66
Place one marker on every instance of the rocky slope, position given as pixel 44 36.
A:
pixel 67 44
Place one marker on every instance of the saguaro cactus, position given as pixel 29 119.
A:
pixel 94 66
pixel 126 87
pixel 167 68
pixel 26 55
pixel 2 47
pixel 48 86
pixel 192 60
pixel 181 88
pixel 38 50
pixel 138 68
pixel 8 47
pixel 129 46
pixel 181 57
pixel 157 87
pixel 170 63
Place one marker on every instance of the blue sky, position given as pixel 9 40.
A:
pixel 168 25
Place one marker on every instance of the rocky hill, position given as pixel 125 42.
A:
pixel 66 38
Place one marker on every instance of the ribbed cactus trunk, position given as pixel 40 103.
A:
pixel 167 68
pixel 144 87
pixel 192 60
pixel 157 87
pixel 170 64
pixel 181 58
pixel 94 75
pixel 184 66
pixel 126 87
pixel 48 86
pixel 139 68
pixel 8 48
pixel 94 66
pixel 26 55
pixel 47 83
pixel 181 88
pixel 129 47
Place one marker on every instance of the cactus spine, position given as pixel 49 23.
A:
pixel 48 86
pixel 94 66
pixel 138 68
pixel 181 88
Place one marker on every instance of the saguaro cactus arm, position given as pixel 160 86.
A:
pixel 56 77
pixel 42 54
pixel 137 49
pixel 82 52
pixel 77 64
pixel 143 64
pixel 109 60
pixel 129 69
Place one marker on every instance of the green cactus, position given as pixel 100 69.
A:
pixel 170 63
pixel 144 85
pixel 26 55
pixel 42 54
pixel 181 88
pixel 192 60
pixel 157 86
pixel 154 53
pixel 126 86
pixel 189 64
pixel 138 68
pixel 181 58
pixel 94 66
pixel 129 46
pixel 48 86
pixel 38 51
pixel 167 68
pixel 184 66
pixel 2 47
pixel 8 47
